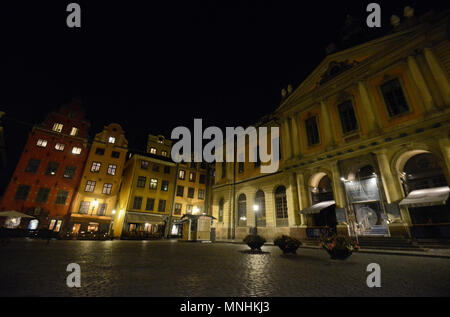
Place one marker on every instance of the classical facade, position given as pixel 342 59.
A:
pixel 365 147
pixel 50 167
pixel 94 205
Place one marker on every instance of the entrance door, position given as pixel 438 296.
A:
pixel 371 219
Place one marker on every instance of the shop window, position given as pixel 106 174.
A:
pixel 347 116
pixel 394 98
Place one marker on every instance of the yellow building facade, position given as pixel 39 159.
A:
pixel 365 146
pixel 94 205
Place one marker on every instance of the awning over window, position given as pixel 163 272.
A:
pixel 133 217
pixel 315 209
pixel 426 197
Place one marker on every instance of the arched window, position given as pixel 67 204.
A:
pixel 242 211
pixel 261 213
pixel 221 203
pixel 281 210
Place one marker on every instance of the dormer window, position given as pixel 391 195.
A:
pixel 112 139
pixel 74 131
pixel 57 127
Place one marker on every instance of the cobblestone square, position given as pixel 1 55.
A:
pixel 171 268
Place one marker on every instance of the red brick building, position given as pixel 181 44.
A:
pixel 50 168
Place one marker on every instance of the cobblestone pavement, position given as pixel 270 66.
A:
pixel 170 268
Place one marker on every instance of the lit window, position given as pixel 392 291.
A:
pixel 74 131
pixel 76 150
pixel 201 194
pixel 112 139
pixel 164 153
pixel 153 183
pixel 59 147
pixel 112 169
pixel 181 174
pixel 41 143
pixel 107 189
pixel 90 185
pixel 95 168
pixel 84 207
pixel 178 209
pixel 57 127
pixel 152 150
pixel 101 210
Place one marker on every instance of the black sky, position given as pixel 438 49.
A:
pixel 155 65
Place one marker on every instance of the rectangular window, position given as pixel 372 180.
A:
pixel 52 168
pixel 152 150
pixel 141 181
pixel 192 177
pixel 182 174
pixel 22 192
pixel 164 153
pixel 90 185
pixel 202 179
pixel 107 189
pixel 61 197
pixel 347 116
pixel 180 191
pixel 76 150
pixel 167 169
pixel 144 164
pixel 178 209
pixel 137 203
pixel 74 131
pixel 59 147
pixel 115 154
pixel 312 131
pixel 165 186
pixel 162 205
pixel 41 143
pixel 189 209
pixel 201 194
pixel 84 207
pixel 95 168
pixel 101 209
pixel 112 169
pixel 394 98
pixel 33 165
pixel 153 183
pixel 155 167
pixel 42 195
pixel 57 127
pixel 69 172
pixel 150 204
pixel 191 192
pixel 112 140
pixel 100 151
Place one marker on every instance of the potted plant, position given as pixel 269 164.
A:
pixel 339 247
pixel 254 241
pixel 287 244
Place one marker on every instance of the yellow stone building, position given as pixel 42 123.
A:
pixel 365 147
pixel 94 205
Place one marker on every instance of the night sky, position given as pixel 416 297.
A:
pixel 154 65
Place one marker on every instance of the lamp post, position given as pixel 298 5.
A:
pixel 255 211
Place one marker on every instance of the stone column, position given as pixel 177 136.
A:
pixel 294 218
pixel 390 184
pixel 421 84
pixel 337 185
pixel 371 115
pixel 303 196
pixel 439 74
pixel 295 136
pixel 327 126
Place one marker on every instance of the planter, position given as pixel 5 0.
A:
pixel 287 244
pixel 340 254
pixel 255 242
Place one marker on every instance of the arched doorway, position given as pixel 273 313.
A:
pixel 363 192
pixel 427 191
pixel 260 214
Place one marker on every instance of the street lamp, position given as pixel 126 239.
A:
pixel 255 211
